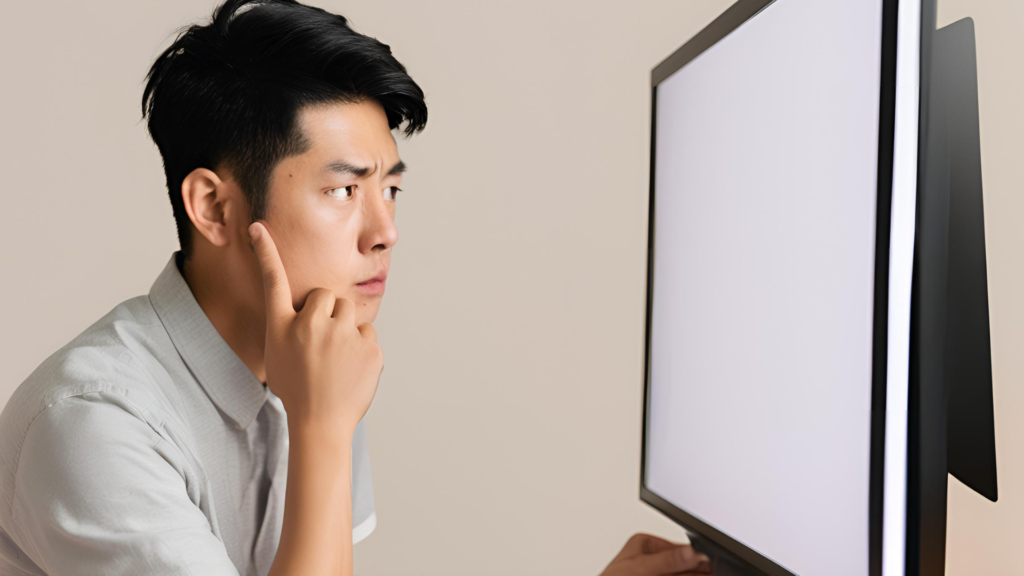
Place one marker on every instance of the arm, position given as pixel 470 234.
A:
pixel 98 491
pixel 316 535
pixel 325 369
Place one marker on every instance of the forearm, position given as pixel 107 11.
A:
pixel 316 536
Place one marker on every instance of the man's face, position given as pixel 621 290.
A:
pixel 331 210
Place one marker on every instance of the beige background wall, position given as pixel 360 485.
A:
pixel 505 435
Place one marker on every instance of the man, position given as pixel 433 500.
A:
pixel 214 426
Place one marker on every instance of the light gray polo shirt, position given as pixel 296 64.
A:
pixel 146 446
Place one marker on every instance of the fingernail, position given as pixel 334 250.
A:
pixel 254 232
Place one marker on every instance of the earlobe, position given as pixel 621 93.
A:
pixel 206 197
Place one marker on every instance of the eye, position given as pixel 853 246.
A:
pixel 397 190
pixel 346 188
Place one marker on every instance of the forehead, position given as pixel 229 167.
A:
pixel 356 131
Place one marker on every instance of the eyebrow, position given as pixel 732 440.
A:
pixel 342 167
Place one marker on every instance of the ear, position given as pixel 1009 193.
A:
pixel 212 204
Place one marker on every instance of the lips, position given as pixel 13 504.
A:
pixel 378 278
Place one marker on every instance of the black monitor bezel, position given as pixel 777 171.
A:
pixel 738 13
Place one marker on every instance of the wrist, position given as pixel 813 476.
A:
pixel 336 434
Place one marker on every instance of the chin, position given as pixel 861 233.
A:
pixel 362 318
pixel 366 309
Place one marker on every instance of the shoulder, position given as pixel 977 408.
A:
pixel 102 358
pixel 101 367
pixel 93 471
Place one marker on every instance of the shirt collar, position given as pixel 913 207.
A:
pixel 226 379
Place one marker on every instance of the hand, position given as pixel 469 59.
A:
pixel 646 555
pixel 324 368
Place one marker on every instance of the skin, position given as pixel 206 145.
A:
pixel 325 370
pixel 647 555
pixel 293 291
pixel 325 239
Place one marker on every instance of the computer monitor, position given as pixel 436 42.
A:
pixel 799 277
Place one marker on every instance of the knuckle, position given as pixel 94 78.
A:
pixel 684 554
pixel 321 294
pixel 274 280
pixel 341 310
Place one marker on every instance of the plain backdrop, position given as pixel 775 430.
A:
pixel 505 435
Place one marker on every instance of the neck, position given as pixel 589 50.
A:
pixel 229 306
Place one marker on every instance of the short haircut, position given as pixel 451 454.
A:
pixel 228 93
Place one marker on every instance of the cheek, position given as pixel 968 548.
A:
pixel 329 248
pixel 321 246
pixel 317 259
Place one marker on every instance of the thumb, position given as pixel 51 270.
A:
pixel 676 559
pixel 276 290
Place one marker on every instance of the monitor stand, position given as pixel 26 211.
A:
pixel 951 408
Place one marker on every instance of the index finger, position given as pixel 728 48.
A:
pixel 276 290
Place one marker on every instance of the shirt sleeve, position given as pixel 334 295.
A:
pixel 99 492
pixel 364 514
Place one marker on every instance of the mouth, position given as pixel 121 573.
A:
pixel 373 286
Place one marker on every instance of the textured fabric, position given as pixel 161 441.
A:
pixel 146 446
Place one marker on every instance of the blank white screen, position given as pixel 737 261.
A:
pixel 761 326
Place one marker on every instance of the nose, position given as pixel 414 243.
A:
pixel 379 228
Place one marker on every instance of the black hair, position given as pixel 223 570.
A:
pixel 228 93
